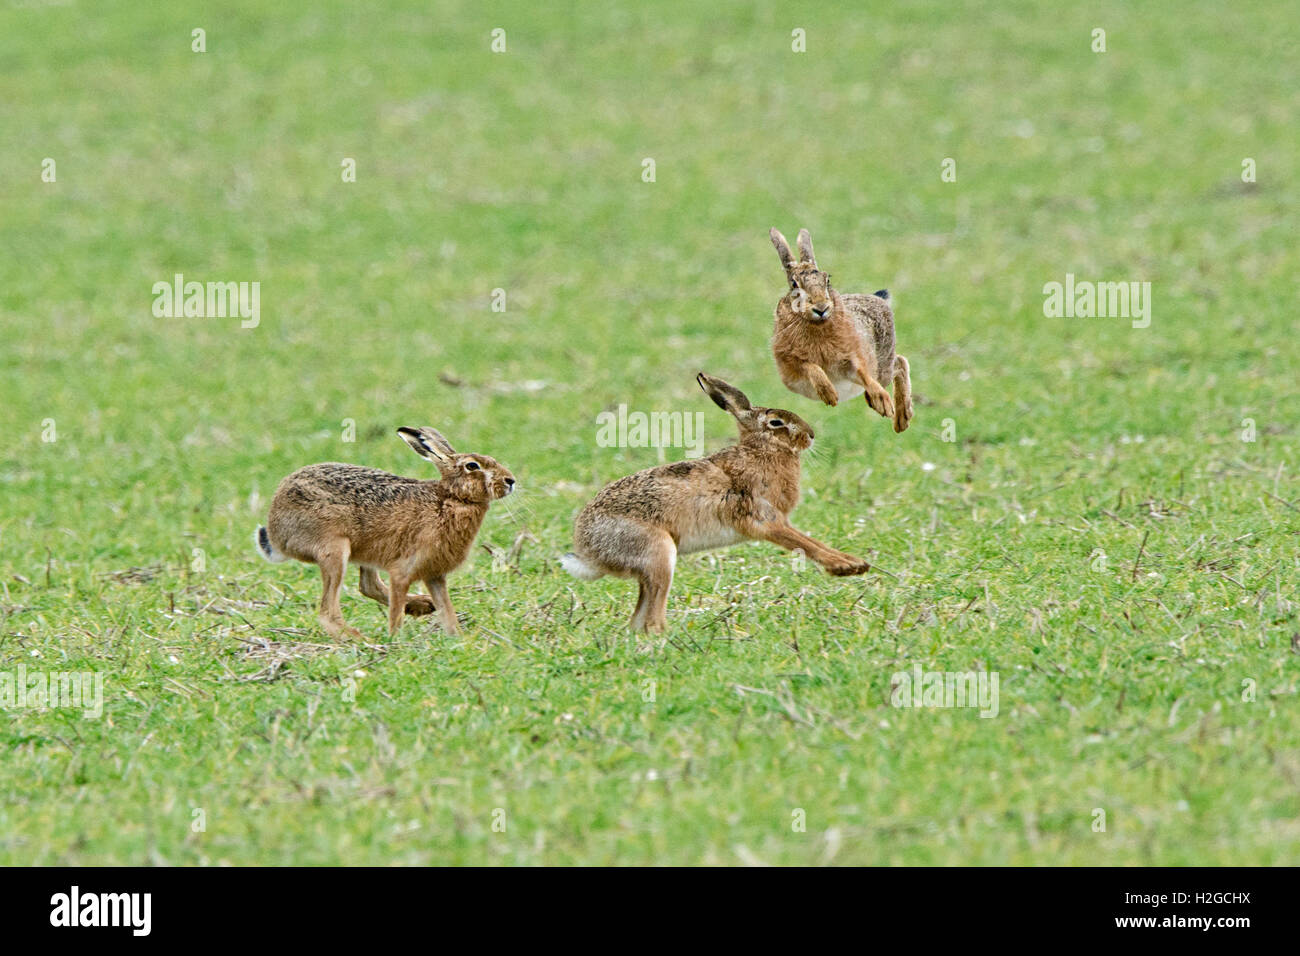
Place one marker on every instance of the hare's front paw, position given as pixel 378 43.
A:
pixel 826 392
pixel 849 568
pixel 879 400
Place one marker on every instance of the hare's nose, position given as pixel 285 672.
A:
pixel 821 310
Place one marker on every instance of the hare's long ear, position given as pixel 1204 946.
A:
pixel 782 250
pixel 428 443
pixel 726 397
pixel 805 248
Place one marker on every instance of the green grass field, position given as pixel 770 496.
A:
pixel 1105 516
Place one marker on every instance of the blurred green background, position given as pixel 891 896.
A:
pixel 127 540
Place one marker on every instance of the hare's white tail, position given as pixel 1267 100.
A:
pixel 266 549
pixel 580 568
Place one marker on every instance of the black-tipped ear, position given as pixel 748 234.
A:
pixel 428 443
pixel 782 249
pixel 726 397
pixel 806 249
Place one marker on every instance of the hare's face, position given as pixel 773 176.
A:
pixel 782 427
pixel 478 478
pixel 810 292
pixel 766 427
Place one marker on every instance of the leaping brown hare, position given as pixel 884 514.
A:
pixel 414 530
pixel 636 526
pixel 832 347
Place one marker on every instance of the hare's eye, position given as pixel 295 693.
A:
pixel 471 466
pixel 793 284
pixel 775 423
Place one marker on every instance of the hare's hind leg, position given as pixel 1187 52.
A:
pixel 656 579
pixel 631 548
pixel 653 556
pixel 902 394
pixel 373 588
pixel 656 615
pixel 642 606
pixel 332 559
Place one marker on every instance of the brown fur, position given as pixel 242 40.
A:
pixel 828 346
pixel 636 526
pixel 332 514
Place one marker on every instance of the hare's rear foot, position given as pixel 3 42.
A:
pixel 340 631
pixel 418 605
pixel 657 557
pixel 902 394
pixel 332 558
pixel 902 413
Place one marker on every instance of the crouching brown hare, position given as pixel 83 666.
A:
pixel 830 346
pixel 414 530
pixel 636 526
